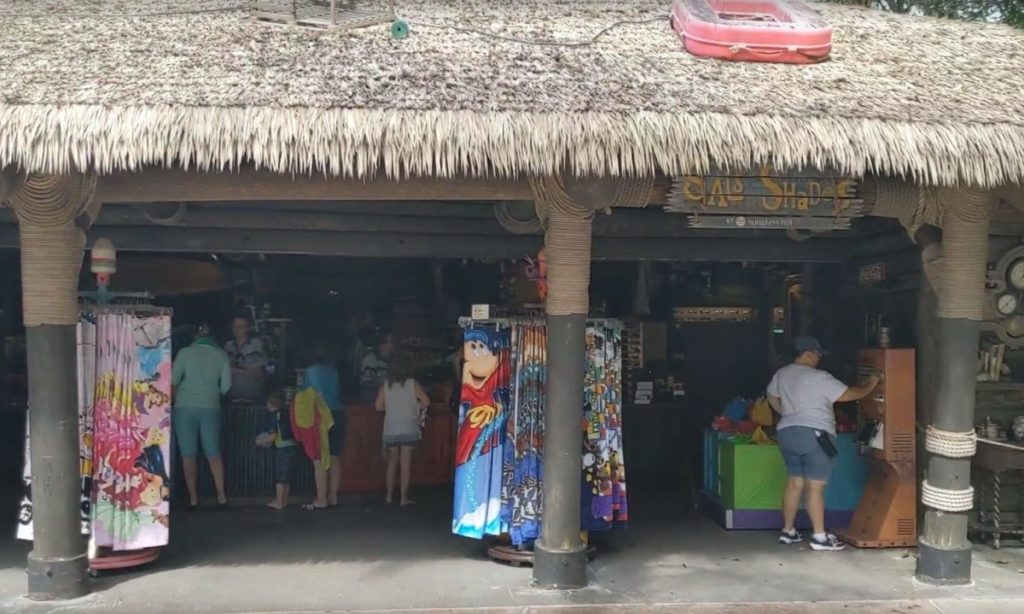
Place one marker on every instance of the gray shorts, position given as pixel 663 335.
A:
pixel 803 455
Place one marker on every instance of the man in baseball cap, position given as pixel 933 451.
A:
pixel 809 344
pixel 803 395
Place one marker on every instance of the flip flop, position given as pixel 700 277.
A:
pixel 312 507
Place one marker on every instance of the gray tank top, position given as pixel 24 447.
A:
pixel 401 409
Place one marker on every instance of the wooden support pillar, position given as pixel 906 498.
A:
pixel 52 213
pixel 929 242
pixel 807 299
pixel 560 556
pixel 437 272
pixel 945 550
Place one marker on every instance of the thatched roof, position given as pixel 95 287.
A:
pixel 111 87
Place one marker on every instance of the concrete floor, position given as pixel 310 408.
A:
pixel 368 557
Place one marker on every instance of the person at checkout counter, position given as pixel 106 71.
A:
pixel 200 376
pixel 374 368
pixel 248 362
pixel 803 395
pixel 321 375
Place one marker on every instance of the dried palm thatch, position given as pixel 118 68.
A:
pixel 322 13
pixel 109 85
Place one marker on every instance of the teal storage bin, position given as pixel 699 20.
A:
pixel 849 476
pixel 712 443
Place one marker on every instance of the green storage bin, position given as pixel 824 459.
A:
pixel 752 477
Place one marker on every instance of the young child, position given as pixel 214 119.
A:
pixel 285 448
pixel 404 403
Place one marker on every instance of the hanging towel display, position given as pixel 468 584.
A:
pixel 523 467
pixel 131 431
pixel 479 451
pixel 603 493
pixel 519 390
pixel 86 344
pixel 124 394
pixel 311 423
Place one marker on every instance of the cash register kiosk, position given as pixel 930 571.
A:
pixel 887 514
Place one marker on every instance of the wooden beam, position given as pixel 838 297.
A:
pixel 155 185
pixel 896 263
pixel 894 285
pixel 161 239
pixel 7 185
pixel 205 216
pixel 1007 228
pixel 621 223
pixel 158 185
pixel 719 250
pixel 653 222
pixel 392 245
pixel 884 243
pixel 422 208
pixel 319 243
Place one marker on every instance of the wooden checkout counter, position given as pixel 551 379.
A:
pixel 249 469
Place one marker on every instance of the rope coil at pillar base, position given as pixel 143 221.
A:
pixel 950 444
pixel 944 500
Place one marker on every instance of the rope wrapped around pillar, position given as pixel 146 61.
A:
pixel 52 212
pixel 951 445
pixel 944 548
pixel 567 246
pixel 560 557
pixel 914 208
pixel 965 218
pixel 903 201
pixel 965 214
pixel 633 193
pixel 628 193
pixel 947 500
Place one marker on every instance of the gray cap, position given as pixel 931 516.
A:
pixel 809 344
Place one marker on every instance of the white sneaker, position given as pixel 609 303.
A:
pixel 831 543
pixel 790 538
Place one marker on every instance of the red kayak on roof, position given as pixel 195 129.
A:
pixel 784 31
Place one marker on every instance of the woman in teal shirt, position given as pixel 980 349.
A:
pixel 201 375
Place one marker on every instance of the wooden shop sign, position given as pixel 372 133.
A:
pixel 713 314
pixel 769 222
pixel 871 273
pixel 764 191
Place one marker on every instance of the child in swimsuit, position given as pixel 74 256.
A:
pixel 285 448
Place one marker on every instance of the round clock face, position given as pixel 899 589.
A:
pixel 1007 304
pixel 1016 274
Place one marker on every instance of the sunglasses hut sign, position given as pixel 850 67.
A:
pixel 766 199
